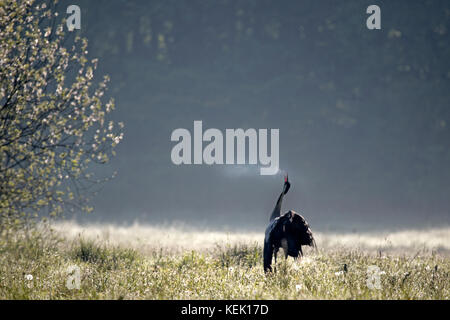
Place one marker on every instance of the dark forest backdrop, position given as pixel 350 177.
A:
pixel 364 116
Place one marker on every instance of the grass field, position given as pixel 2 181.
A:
pixel 145 262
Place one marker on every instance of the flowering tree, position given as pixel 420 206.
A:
pixel 53 124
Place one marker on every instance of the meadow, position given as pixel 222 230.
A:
pixel 178 262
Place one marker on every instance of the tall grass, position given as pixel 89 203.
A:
pixel 35 265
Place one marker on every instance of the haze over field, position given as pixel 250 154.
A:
pixel 181 238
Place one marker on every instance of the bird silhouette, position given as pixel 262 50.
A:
pixel 289 231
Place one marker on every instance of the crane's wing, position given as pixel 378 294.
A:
pixel 302 230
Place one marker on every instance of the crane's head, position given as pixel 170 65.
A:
pixel 287 185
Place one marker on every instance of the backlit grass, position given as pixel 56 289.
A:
pixel 34 265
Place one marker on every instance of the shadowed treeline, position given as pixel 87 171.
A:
pixel 363 115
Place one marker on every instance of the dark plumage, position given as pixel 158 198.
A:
pixel 289 231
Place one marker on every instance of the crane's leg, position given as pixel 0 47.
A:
pixel 276 254
pixel 268 252
pixel 284 245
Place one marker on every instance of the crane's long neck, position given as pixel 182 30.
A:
pixel 277 210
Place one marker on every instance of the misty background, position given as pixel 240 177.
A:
pixel 364 115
